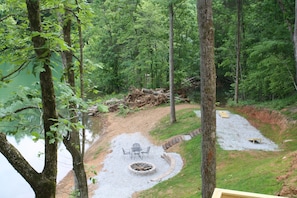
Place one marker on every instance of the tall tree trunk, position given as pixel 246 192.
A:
pixel 171 65
pixel 81 76
pixel 72 140
pixel 295 43
pixel 208 97
pixel 238 36
pixel 48 105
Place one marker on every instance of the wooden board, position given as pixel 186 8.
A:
pixel 224 193
pixel 224 114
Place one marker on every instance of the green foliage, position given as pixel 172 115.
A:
pixel 269 67
pixel 21 113
pixel 131 44
pixel 74 193
pixel 124 110
pixel 94 172
pixel 102 108
pixel 266 50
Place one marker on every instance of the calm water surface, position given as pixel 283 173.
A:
pixel 11 182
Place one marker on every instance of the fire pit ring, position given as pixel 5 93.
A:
pixel 142 168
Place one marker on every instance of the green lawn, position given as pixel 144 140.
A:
pixel 252 171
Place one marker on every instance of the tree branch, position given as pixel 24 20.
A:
pixel 5 17
pixel 22 66
pixel 25 108
pixel 16 159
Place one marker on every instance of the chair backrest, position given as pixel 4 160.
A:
pixel 136 145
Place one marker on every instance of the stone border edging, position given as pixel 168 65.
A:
pixel 180 138
pixel 171 161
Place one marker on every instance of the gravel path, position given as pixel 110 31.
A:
pixel 233 133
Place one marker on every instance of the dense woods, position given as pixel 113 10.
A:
pixel 80 50
pixel 130 47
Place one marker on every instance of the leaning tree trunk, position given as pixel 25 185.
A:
pixel 72 140
pixel 208 97
pixel 171 65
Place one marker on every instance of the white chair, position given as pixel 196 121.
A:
pixel 136 150
pixel 147 150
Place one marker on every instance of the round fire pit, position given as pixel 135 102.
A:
pixel 142 168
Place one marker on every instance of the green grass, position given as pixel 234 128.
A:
pixel 251 171
pixel 187 121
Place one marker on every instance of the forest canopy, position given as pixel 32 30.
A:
pixel 129 44
pixel 126 45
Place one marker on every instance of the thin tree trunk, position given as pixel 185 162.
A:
pixel 81 76
pixel 295 43
pixel 208 97
pixel 171 65
pixel 72 140
pixel 238 50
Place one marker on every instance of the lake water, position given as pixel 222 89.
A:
pixel 11 182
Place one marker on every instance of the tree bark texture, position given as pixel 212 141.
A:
pixel 72 140
pixel 238 52
pixel 36 180
pixel 47 186
pixel 208 96
pixel 171 65
pixel 81 77
pixel 295 42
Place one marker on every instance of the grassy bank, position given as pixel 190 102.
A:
pixel 252 171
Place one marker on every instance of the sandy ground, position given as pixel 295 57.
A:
pixel 142 121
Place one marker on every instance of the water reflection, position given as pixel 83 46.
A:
pixel 12 183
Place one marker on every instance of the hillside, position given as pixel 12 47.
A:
pixel 145 120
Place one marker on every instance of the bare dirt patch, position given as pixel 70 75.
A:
pixel 289 179
pixel 273 118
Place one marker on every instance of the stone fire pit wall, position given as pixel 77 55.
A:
pixel 142 168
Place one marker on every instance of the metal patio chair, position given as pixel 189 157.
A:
pixel 126 152
pixel 136 150
pixel 147 151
